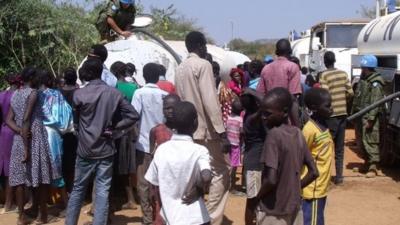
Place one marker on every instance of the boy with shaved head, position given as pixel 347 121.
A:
pixel 285 152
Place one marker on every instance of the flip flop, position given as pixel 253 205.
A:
pixel 129 206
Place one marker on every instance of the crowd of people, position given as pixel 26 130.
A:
pixel 178 145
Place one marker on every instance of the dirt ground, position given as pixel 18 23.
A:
pixel 358 202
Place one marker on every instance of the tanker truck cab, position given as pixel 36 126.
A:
pixel 339 37
pixel 381 37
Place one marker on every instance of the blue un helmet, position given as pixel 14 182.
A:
pixel 128 2
pixel 369 61
pixel 268 59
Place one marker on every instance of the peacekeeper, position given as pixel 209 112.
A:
pixel 370 90
pixel 115 19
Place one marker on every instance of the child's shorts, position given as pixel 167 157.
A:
pixel 313 210
pixel 253 183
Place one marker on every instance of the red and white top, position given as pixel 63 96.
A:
pixel 233 126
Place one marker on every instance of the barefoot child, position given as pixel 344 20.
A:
pixel 284 155
pixel 175 163
pixel 321 146
pixel 234 130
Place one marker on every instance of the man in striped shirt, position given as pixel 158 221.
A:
pixel 338 85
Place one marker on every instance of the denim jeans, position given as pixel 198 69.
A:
pixel 103 169
pixel 337 127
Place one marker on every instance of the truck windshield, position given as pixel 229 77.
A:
pixel 342 36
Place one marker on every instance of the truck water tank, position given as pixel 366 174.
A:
pixel 143 51
pixel 381 36
pixel 140 52
pixel 224 58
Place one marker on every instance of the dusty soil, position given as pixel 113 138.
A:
pixel 358 202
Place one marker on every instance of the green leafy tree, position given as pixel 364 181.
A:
pixel 370 11
pixel 367 12
pixel 43 34
pixel 253 49
pixel 172 25
pixel 55 34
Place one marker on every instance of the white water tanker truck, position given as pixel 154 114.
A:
pixel 339 37
pixel 144 47
pixel 381 37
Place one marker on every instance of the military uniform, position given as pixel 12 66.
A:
pixel 370 90
pixel 356 108
pixel 122 17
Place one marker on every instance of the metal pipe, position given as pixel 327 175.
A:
pixel 161 42
pixel 373 106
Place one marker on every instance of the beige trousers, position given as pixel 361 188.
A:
pixel 143 161
pixel 219 188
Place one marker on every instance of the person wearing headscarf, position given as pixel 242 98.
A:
pixel 237 81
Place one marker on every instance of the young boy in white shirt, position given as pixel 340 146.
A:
pixel 181 170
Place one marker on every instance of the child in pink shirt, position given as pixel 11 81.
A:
pixel 234 130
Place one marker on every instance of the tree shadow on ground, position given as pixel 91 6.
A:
pixel 353 146
pixel 392 172
pixel 125 220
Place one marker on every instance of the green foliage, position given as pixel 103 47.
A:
pixel 43 34
pixel 169 24
pixel 370 11
pixel 253 49
pixel 367 12
pixel 55 34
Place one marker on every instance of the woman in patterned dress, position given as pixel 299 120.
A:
pixel 57 118
pixel 30 157
pixel 7 136
pixel 226 97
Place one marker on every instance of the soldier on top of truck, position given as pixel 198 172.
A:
pixel 115 19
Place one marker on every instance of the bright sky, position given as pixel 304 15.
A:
pixel 258 19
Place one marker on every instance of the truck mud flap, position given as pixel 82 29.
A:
pixel 394 118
